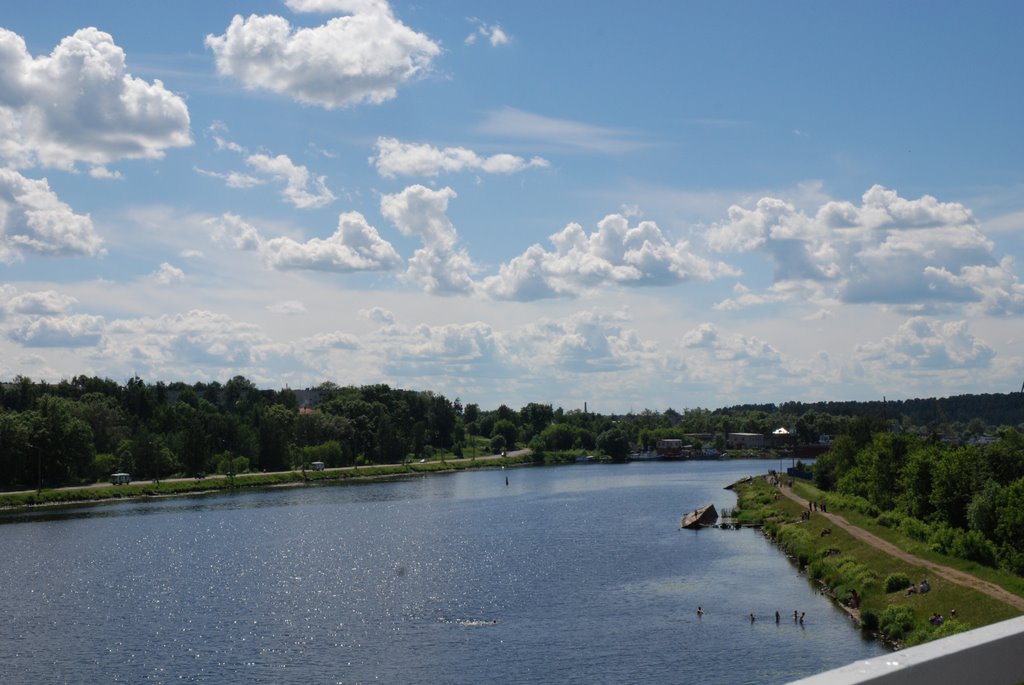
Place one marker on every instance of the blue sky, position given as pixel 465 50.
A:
pixel 651 205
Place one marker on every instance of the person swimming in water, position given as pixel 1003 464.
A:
pixel 700 612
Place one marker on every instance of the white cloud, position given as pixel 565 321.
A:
pixel 395 158
pixel 168 273
pixel 328 341
pixel 301 189
pixel 492 33
pixel 34 303
pixel 777 293
pixel 234 179
pixel 438 267
pixel 175 345
pixel 509 122
pixel 75 330
pixel 354 246
pixel 734 364
pixel 360 58
pixel 888 250
pixel 378 315
pixel 616 253
pixel 79 104
pixel 234 229
pixel 287 307
pixel 438 351
pixel 33 219
pixel 339 6
pixel 586 342
pixel 923 344
pixel 103 173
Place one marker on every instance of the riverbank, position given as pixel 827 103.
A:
pixel 190 486
pixel 872 582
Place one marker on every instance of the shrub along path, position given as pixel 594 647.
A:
pixel 951 574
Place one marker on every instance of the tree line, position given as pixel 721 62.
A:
pixel 963 500
pixel 83 429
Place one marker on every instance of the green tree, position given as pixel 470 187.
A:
pixel 276 426
pixel 915 482
pixel 498 443
pixel 953 484
pixel 507 430
pixel 614 443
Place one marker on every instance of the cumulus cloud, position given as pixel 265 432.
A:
pixel 439 267
pixel 339 6
pixel 492 33
pixel 168 274
pixel 886 250
pixel 33 219
pixel 777 293
pixel 616 253
pixel 995 286
pixel 378 315
pixel 38 302
pixel 354 246
pixel 363 57
pixel 336 340
pixel 80 104
pixel 301 189
pixel 75 330
pixel 235 230
pixel 924 344
pixel 736 364
pixel 176 344
pixel 586 342
pixel 103 173
pixel 425 353
pixel 395 158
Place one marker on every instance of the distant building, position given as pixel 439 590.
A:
pixel 745 441
pixel 782 437
pixel 672 448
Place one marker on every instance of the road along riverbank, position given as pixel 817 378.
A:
pixel 190 486
pixel 877 582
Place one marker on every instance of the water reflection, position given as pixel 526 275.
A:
pixel 567 574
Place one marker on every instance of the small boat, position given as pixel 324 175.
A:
pixel 699 517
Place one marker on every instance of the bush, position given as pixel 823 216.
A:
pixel 889 519
pixel 943 539
pixel 973 546
pixel 915 529
pixel 894 582
pixel 896 621
pixel 868 621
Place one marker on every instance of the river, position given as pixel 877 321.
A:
pixel 572 574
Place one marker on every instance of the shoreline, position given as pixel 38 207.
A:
pixel 840 557
pixel 103 493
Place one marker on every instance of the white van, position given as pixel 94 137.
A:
pixel 317 466
pixel 120 479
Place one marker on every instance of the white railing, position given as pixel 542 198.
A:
pixel 992 655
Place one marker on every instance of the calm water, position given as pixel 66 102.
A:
pixel 568 574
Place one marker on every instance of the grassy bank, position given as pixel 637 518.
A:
pixel 842 565
pixel 247 480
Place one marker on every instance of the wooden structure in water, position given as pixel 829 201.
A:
pixel 700 517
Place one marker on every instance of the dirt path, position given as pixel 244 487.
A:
pixel 951 574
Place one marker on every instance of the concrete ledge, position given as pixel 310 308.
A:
pixel 993 655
